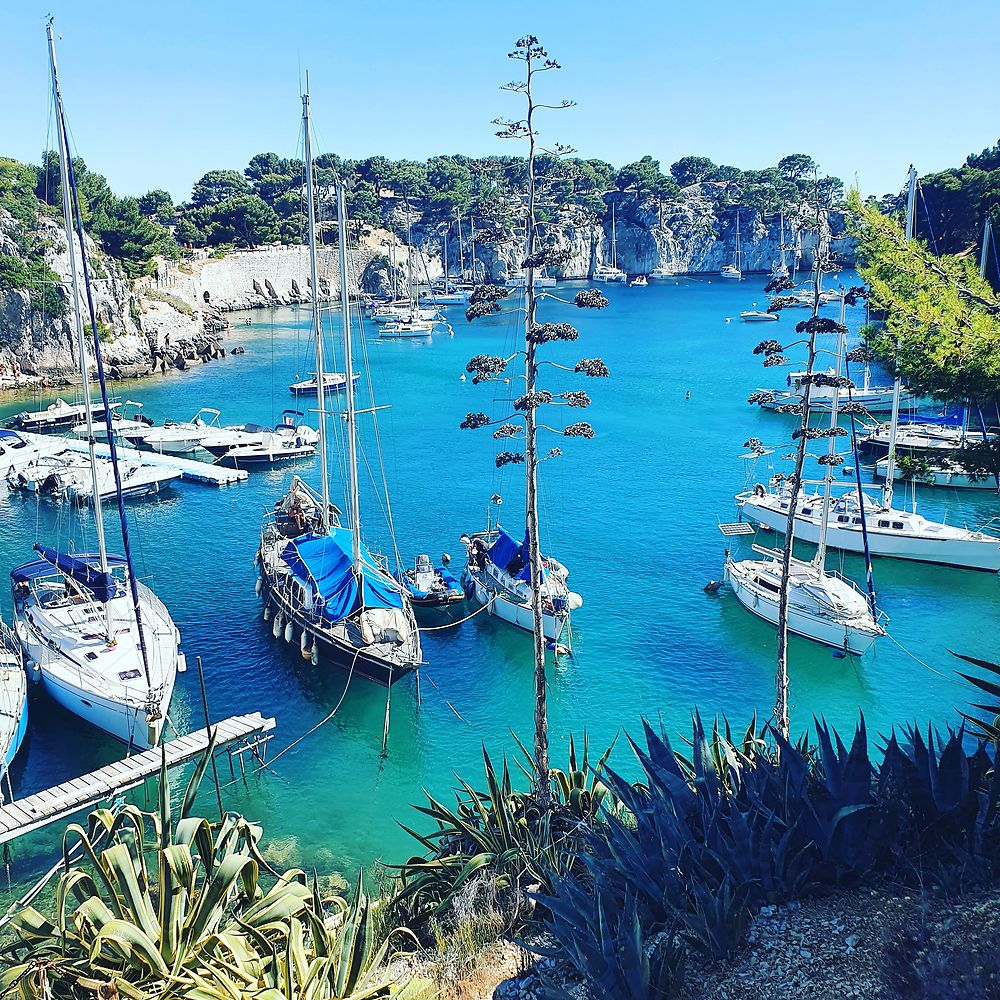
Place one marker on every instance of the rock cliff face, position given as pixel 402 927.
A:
pixel 695 234
pixel 33 344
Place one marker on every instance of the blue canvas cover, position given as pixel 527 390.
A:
pixel 83 567
pixel 505 548
pixel 324 564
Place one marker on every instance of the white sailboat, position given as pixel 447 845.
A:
pixel 13 704
pixel 100 643
pixel 317 578
pixel 874 398
pixel 822 606
pixel 609 273
pixel 779 267
pixel 890 532
pixel 734 271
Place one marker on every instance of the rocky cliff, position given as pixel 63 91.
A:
pixel 692 234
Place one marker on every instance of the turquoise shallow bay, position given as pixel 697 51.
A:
pixel 633 514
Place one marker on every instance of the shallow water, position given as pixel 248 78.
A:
pixel 633 513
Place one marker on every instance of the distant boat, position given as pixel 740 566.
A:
pixel 779 267
pixel 733 271
pixel 939 474
pixel 251 444
pixel 639 282
pixel 129 421
pixel 875 399
pixel 332 382
pixel 611 273
pixel 662 273
pixel 406 328
pixel 756 316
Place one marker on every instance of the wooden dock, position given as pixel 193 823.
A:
pixel 61 801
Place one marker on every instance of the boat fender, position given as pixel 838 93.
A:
pixel 758 489
pixel 34 670
pixel 276 630
pixel 314 655
pixel 267 612
pixel 289 632
pixel 304 645
pixel 259 586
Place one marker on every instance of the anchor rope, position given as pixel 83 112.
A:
pixel 461 621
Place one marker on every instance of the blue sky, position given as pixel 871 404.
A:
pixel 158 93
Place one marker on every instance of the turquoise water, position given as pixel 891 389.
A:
pixel 633 513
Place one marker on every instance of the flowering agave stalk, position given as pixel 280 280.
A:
pixel 523 424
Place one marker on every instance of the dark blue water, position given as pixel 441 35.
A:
pixel 633 513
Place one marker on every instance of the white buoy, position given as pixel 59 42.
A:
pixel 267 612
pixel 304 645
pixel 289 631
pixel 314 656
pixel 276 630
pixel 259 587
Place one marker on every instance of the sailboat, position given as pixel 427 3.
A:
pixel 610 273
pixel 874 398
pixel 887 531
pixel 316 576
pixel 13 702
pixel 822 606
pixel 411 320
pixel 733 270
pixel 100 642
pixel 779 267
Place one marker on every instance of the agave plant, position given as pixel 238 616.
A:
pixel 176 906
pixel 501 833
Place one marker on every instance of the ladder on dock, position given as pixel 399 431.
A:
pixel 61 801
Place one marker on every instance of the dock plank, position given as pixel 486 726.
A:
pixel 60 801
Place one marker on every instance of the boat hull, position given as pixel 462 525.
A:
pixel 517 614
pixel 801 622
pixel 978 553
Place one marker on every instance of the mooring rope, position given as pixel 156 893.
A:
pixel 461 621
pixel 913 656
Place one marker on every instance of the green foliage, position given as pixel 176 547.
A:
pixel 41 282
pixel 157 205
pixel 500 833
pixel 942 329
pixel 691 170
pixel 218 186
pixel 173 905
pixel 173 300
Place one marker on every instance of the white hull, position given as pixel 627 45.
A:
pixel 519 614
pixel 759 317
pixel 937 476
pixel 801 622
pixel 970 550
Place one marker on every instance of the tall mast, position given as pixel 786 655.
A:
pixel 472 245
pixel 738 266
pixel 784 266
pixel 614 239
pixel 352 444
pixel 81 342
pixel 461 249
pixel 324 517
pixel 444 259
pixel 409 263
pixel 832 450
pixel 890 468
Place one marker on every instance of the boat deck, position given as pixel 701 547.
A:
pixel 61 801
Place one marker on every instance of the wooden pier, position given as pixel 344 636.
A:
pixel 61 801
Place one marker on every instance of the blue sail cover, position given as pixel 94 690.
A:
pixel 505 548
pixel 83 567
pixel 324 563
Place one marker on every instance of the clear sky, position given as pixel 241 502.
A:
pixel 157 93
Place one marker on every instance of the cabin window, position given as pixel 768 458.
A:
pixel 843 519
pixel 806 511
pixel 767 585
pixel 883 524
pixel 856 520
pixel 898 525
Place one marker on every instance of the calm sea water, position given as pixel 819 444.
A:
pixel 633 513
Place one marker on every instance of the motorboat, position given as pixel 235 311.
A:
pixel 662 273
pixel 822 605
pixel 639 282
pixel 875 399
pixel 404 313
pixel 55 416
pixel 180 437
pixel 332 382
pixel 943 473
pixel 406 328
pixel 917 438
pixel 497 576
pixel 129 421
pixel 430 586
pixel 17 451
pixel 290 429
pixel 757 316
pixel 69 476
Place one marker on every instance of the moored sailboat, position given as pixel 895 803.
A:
pixel 316 576
pixel 100 642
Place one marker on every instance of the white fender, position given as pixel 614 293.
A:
pixel 259 586
pixel 276 630
pixel 267 612
pixel 289 631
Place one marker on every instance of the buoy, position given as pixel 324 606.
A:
pixel 289 631
pixel 276 630
pixel 461 378
pixel 259 586
pixel 267 612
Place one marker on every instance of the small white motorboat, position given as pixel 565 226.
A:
pixel 406 328
pixel 180 437
pixel 758 316
pixel 290 428
pixel 56 415
pixel 639 282
pixel 662 273
pixel 130 421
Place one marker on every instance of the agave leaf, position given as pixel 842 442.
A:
pixel 135 902
pixel 215 892
pixel 191 792
pixel 128 942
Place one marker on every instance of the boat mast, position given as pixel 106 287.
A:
pixel 738 263
pixel 824 523
pixel 784 266
pixel 472 244
pixel 614 240
pixel 409 265
pixel 890 468
pixel 461 249
pixel 351 435
pixel 324 517
pixel 81 343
